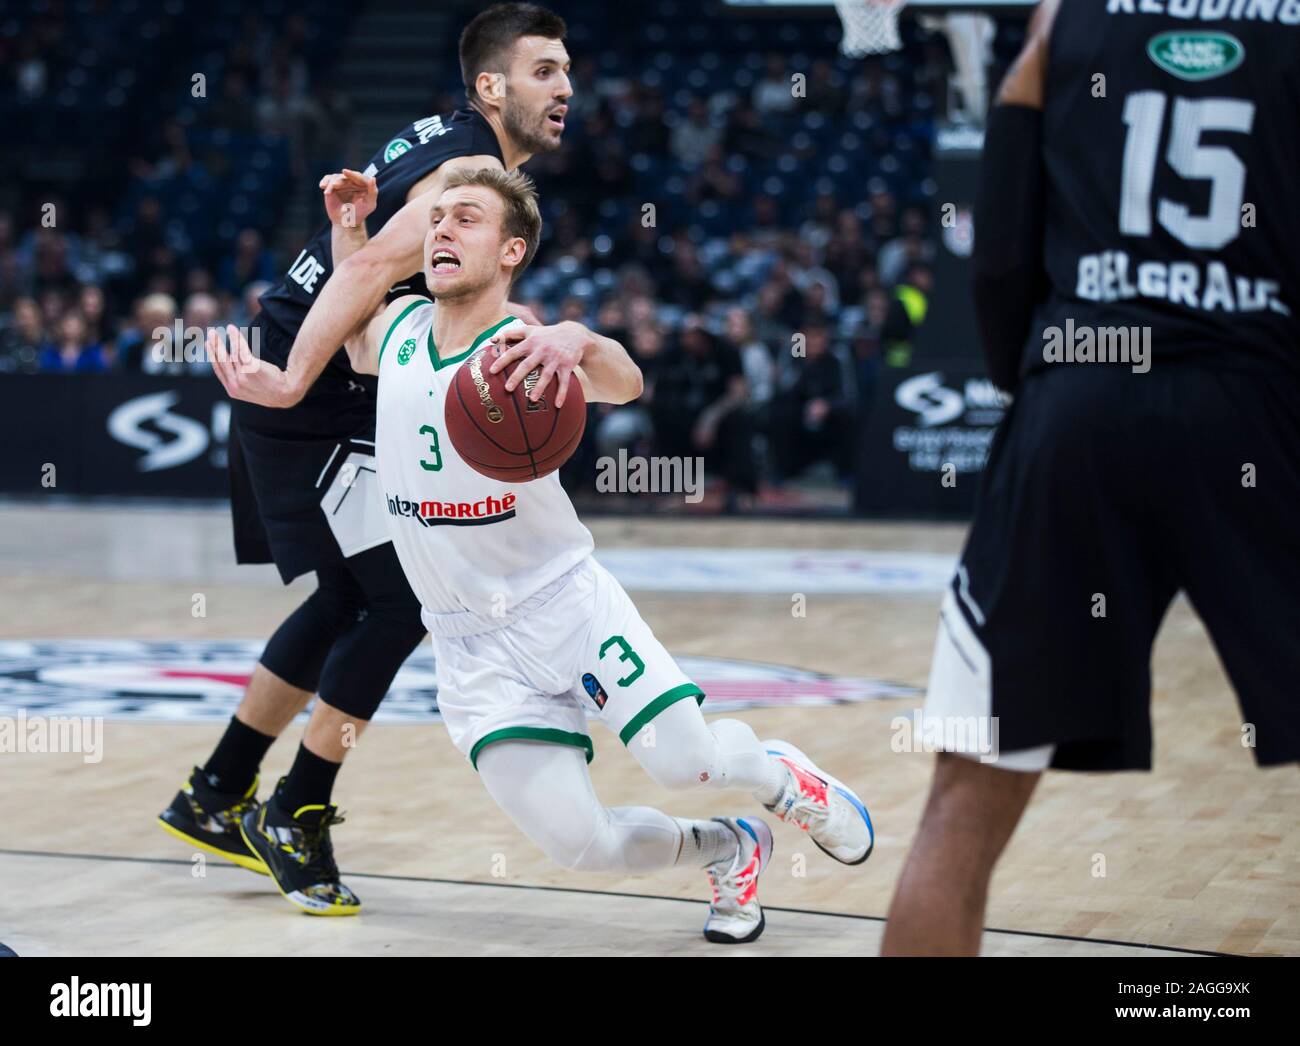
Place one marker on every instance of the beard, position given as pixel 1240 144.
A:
pixel 534 135
pixel 468 287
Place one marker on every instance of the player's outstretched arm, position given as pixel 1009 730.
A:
pixel 351 295
pixel 605 371
pixel 357 288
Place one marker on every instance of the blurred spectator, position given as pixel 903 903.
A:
pixel 30 73
pixel 808 275
pixel 21 338
pixel 250 262
pixel 812 414
pixel 772 322
pixel 327 132
pixel 649 133
pixel 688 284
pixel 847 253
pixel 93 308
pixel 235 108
pixel 699 396
pixel 201 312
pixel 154 314
pixel 695 136
pixel 72 350
pixel 714 181
pixel 774 93
pixel 904 252
pixel 249 305
pixel 748 136
pixel 755 358
pixel 50 263
pixel 817 231
pixel 824 90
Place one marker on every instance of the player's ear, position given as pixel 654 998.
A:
pixel 491 87
pixel 513 251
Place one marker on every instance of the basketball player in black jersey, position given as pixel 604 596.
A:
pixel 300 477
pixel 1137 280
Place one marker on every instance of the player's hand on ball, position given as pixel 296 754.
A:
pixel 244 375
pixel 350 197
pixel 553 350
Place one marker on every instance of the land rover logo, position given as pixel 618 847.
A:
pixel 407 350
pixel 1198 55
pixel 395 148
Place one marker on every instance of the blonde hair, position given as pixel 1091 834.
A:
pixel 517 192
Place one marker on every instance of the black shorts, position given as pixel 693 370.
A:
pixel 1106 492
pixel 283 464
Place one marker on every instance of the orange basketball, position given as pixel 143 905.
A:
pixel 503 435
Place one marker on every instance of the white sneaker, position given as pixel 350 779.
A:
pixel 828 810
pixel 735 916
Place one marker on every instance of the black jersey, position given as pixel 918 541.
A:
pixel 1171 143
pixel 411 154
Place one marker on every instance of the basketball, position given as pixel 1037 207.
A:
pixel 503 435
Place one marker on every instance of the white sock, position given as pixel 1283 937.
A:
pixel 747 763
pixel 706 842
pixel 778 774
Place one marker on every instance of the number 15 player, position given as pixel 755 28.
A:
pixel 1140 175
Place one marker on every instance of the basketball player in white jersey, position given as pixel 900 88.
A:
pixel 531 634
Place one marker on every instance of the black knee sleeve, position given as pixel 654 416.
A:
pixel 298 650
pixel 363 661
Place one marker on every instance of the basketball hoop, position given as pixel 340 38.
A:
pixel 870 26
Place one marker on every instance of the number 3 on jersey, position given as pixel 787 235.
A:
pixel 626 654
pixel 436 464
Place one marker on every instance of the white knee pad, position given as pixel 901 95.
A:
pixel 689 752
pixel 681 752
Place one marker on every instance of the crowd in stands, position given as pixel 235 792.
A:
pixel 755 225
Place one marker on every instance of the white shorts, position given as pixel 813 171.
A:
pixel 576 650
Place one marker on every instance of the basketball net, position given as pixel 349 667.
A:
pixel 871 27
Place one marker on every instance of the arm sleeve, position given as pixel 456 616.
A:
pixel 1009 274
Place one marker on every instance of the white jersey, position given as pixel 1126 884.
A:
pixel 465 542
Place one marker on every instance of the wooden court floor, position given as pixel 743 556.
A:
pixel 1202 855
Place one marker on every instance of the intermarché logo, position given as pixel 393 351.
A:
pixel 454 513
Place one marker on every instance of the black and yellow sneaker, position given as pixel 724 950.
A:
pixel 209 820
pixel 297 851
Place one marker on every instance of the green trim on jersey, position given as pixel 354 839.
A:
pixel 668 697
pixel 400 317
pixel 438 364
pixel 532 733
